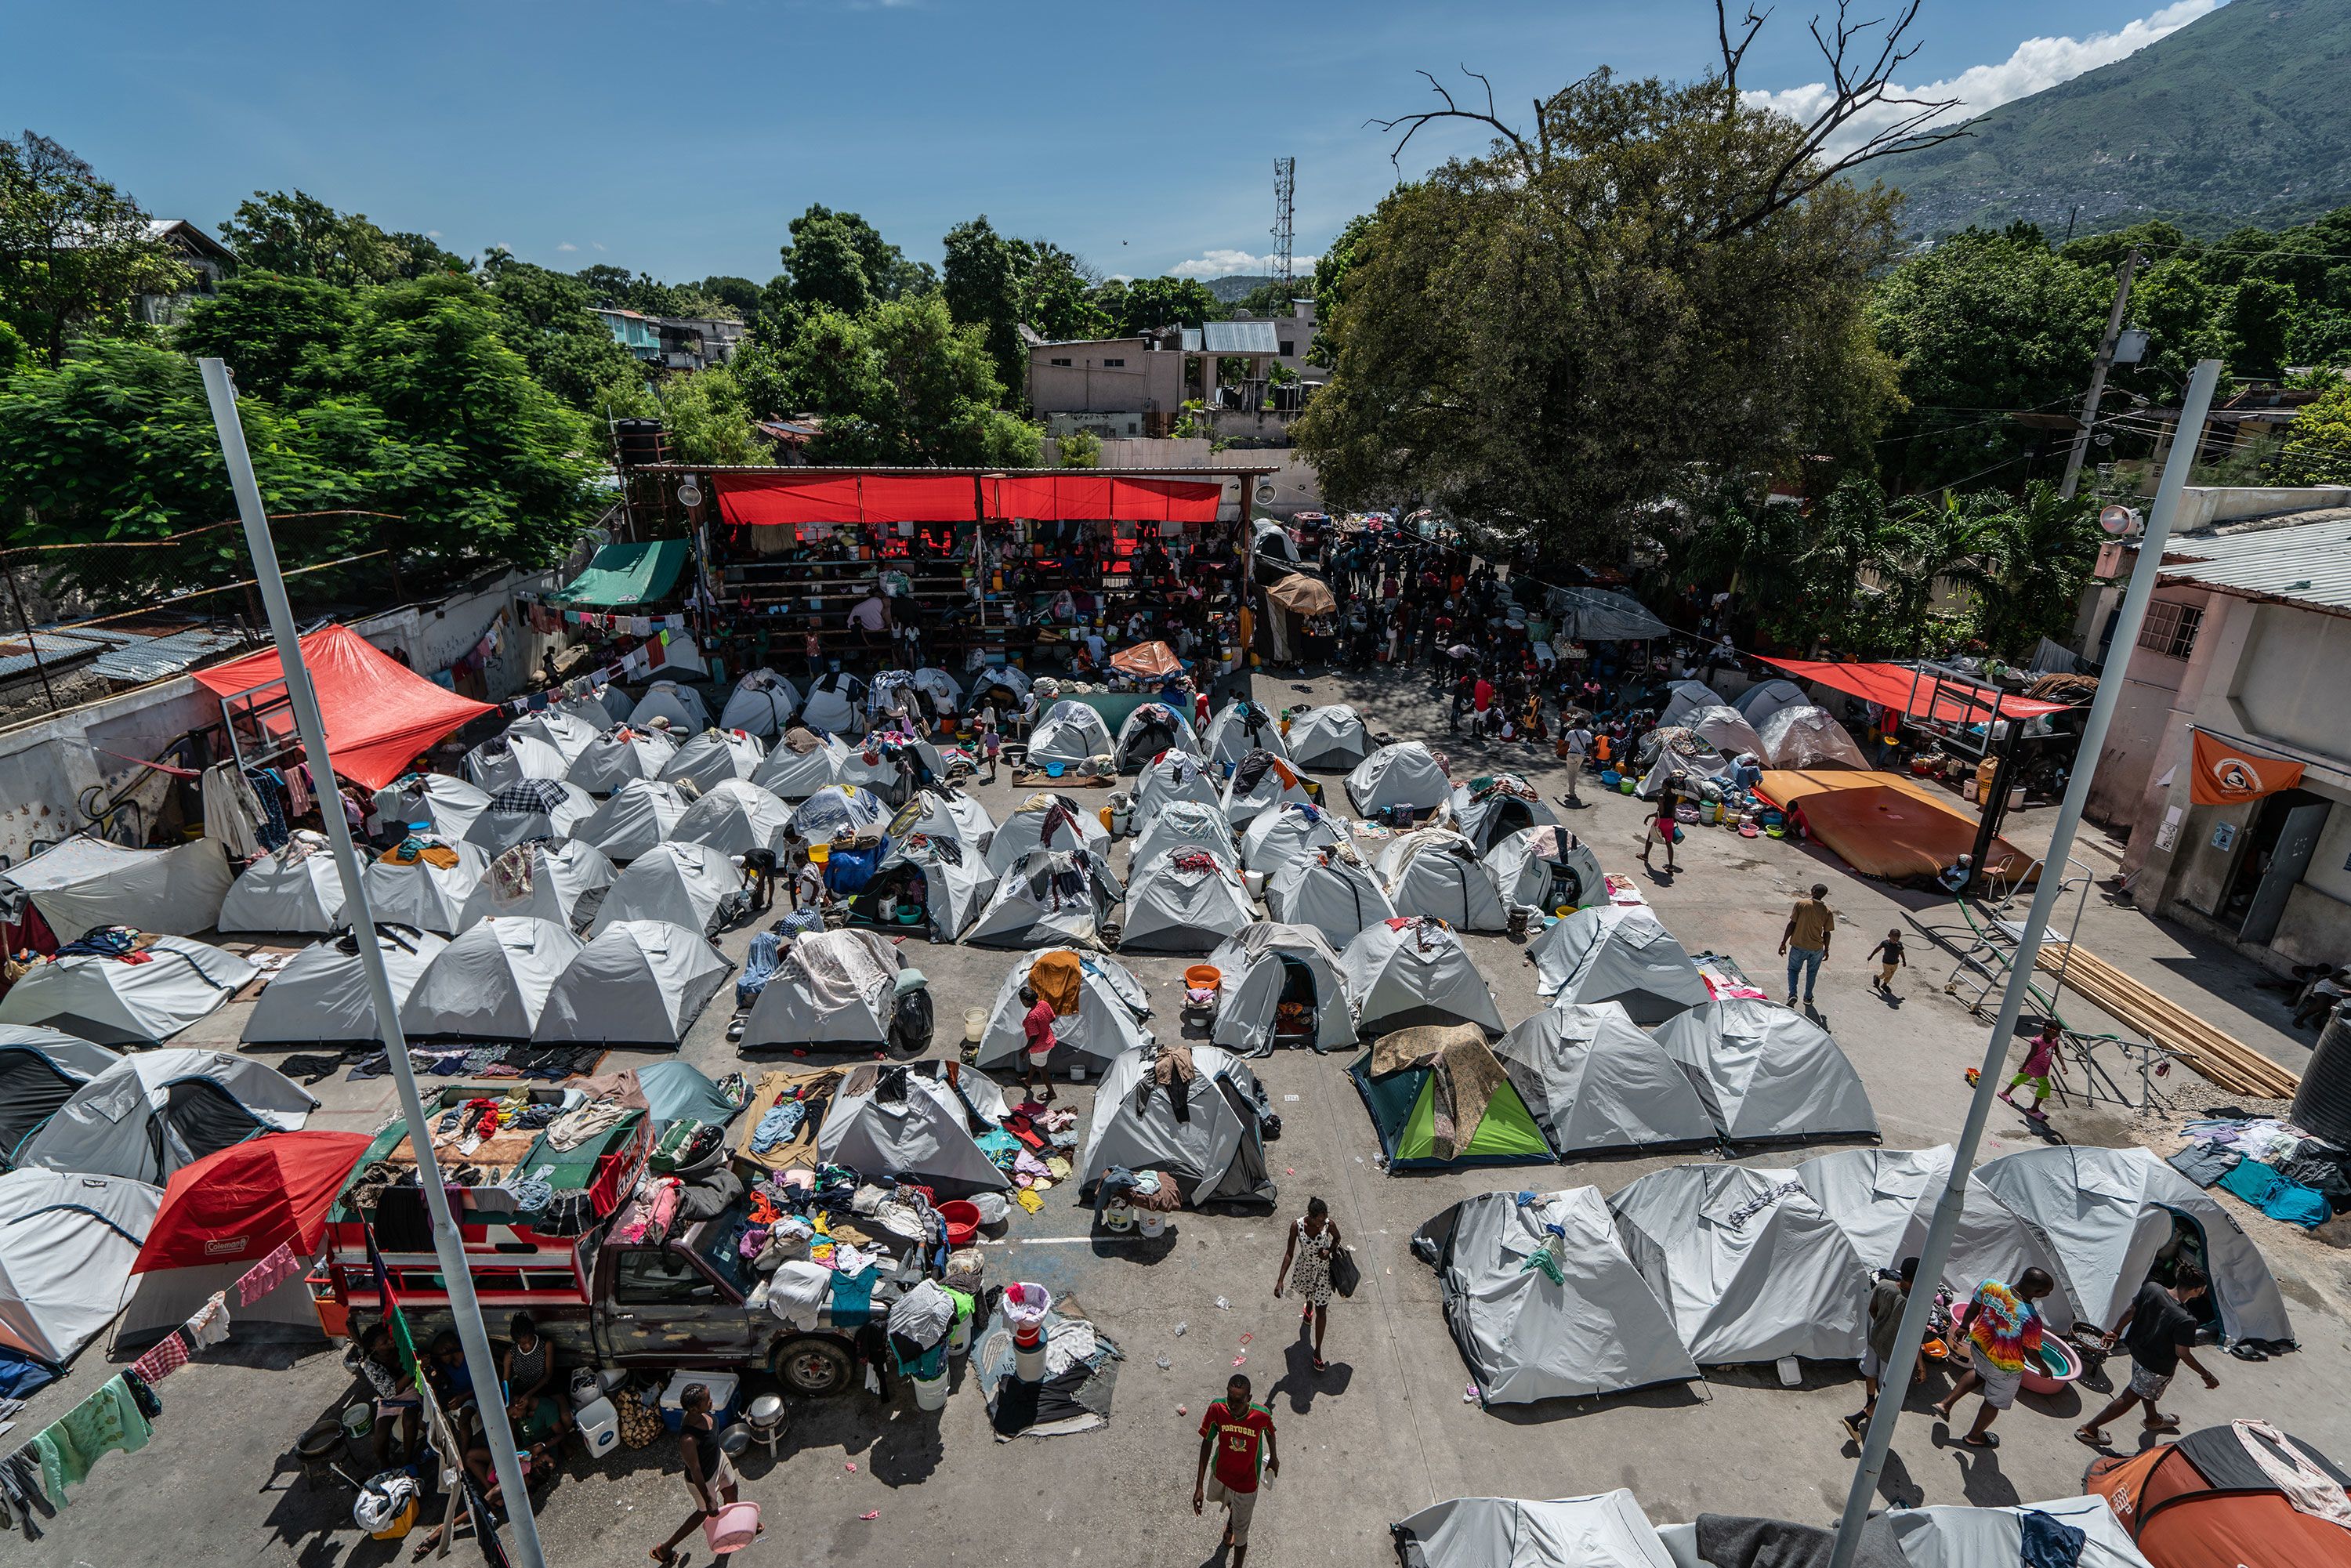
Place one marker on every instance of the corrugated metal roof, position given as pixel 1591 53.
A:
pixel 2307 562
pixel 1238 338
pixel 55 648
pixel 153 658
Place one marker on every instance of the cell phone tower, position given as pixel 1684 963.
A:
pixel 1285 186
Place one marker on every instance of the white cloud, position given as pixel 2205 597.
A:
pixel 432 234
pixel 1224 262
pixel 566 245
pixel 595 245
pixel 2035 65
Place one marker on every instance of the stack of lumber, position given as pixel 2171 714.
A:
pixel 2228 1062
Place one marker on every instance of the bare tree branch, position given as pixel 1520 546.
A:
pixel 1855 90
pixel 1411 124
pixel 1733 54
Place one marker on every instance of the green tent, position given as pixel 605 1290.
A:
pixel 1405 1103
pixel 622 576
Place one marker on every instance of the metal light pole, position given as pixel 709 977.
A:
pixel 1937 1246
pixel 447 1241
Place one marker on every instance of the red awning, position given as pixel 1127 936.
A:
pixel 236 1204
pixel 1920 693
pixel 782 499
pixel 379 712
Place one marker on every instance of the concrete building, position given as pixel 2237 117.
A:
pixel 2248 639
pixel 673 342
pixel 1122 388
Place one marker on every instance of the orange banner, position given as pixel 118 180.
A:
pixel 2225 774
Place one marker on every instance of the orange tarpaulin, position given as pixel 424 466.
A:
pixel 1150 660
pixel 1918 693
pixel 1303 595
pixel 379 712
pixel 1885 824
pixel 2227 774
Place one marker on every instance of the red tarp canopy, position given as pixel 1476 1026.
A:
pixel 1915 692
pixel 779 500
pixel 1151 660
pixel 235 1205
pixel 379 712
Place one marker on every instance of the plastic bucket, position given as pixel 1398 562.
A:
pixel 359 1420
pixel 959 1337
pixel 1255 881
pixel 732 1528
pixel 1029 1360
pixel 962 1221
pixel 1150 1222
pixel 819 854
pixel 974 1024
pixel 1118 1216
pixel 1203 977
pixel 930 1392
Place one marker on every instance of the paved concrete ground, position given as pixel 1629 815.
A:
pixel 1386 1429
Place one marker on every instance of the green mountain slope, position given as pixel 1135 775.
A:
pixel 2235 118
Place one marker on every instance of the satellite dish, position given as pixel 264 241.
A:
pixel 1265 493
pixel 2119 520
pixel 689 494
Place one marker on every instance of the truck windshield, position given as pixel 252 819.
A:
pixel 720 1246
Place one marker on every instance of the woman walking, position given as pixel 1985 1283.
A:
pixel 710 1476
pixel 1306 1267
pixel 1663 824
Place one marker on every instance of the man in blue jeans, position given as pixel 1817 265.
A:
pixel 1806 940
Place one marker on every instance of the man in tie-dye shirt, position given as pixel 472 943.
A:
pixel 2003 1338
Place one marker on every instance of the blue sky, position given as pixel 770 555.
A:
pixel 678 137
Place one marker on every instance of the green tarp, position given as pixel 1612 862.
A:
pixel 1403 1107
pixel 622 576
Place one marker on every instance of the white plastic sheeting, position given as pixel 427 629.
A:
pixel 1804 737
pixel 491 982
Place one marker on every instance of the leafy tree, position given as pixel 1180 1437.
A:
pixel 888 274
pixel 425 256
pixel 1981 324
pixel 1934 544
pixel 981 285
pixel 568 346
pixel 1331 269
pixel 1557 329
pixel 1145 304
pixel 301 236
pixel 75 254
pixel 2318 442
pixel 1057 293
pixel 2258 320
pixel 1081 449
pixel 739 294
pixel 706 412
pixel 905 384
pixel 613 288
pixel 2044 549
pixel 826 266
pixel 287 339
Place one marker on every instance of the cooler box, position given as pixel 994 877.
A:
pixel 722 1397
pixel 599 1427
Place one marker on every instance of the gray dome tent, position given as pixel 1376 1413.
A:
pixel 1266 963
pixel 832 988
pixel 623 756
pixel 712 755
pixel 1070 733
pixel 444 804
pixel 638 982
pixel 1281 835
pixel 1596 1328
pixel 1750 1266
pixel 429 897
pixel 560 882
pixel 1175 775
pixel 293 887
pixel 529 808
pixel 790 774
pixel 638 816
pixel 114 1003
pixel 682 705
pixel 762 703
pixel 1240 727
pixel 86 881
pixel 734 817
pixel 1595 1082
pixel 897 1122
pixel 1546 868
pixel 66 1245
pixel 933 869
pixel 679 882
pixel 1184 901
pixel 1487 810
pixel 1617 952
pixel 1757 703
pixel 320 997
pixel 1883 1199
pixel 1153 728
pixel 2109 1211
pixel 1768 1075
pixel 39 1071
pixel 1329 891
pixel 1686 697
pixel 1721 727
pixel 1408 971
pixel 1049 898
pixel 151 1114
pixel 491 983
pixel 1327 739
pixel 1405 774
pixel 1260 781
pixel 1184 824
pixel 1046 820
pixel 1109 1020
pixel 1214 1152
pixel 1435 871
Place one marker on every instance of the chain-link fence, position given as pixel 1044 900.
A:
pixel 81 622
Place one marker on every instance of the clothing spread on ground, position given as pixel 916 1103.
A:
pixel 1240 1442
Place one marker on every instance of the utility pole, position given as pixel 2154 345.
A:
pixel 2105 361
pixel 447 1241
pixel 1937 1248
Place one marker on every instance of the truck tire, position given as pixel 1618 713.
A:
pixel 813 1366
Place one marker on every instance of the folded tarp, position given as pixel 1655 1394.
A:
pixel 1887 824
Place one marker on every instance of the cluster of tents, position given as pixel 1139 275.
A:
pixel 1571 1293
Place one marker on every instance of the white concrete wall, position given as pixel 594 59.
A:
pixel 2142 716
pixel 1296 486
pixel 1144 379
pixel 2201 505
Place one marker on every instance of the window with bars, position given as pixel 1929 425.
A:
pixel 2170 629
